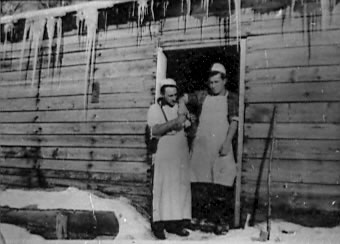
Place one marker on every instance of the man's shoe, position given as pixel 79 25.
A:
pixel 178 231
pixel 158 230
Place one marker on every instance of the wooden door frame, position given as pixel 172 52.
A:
pixel 237 205
pixel 242 46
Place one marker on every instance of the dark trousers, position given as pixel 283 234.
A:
pixel 212 202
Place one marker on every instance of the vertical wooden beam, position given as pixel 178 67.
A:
pixel 237 212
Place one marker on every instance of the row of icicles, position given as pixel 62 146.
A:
pixel 87 17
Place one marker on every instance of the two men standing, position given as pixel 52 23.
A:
pixel 211 159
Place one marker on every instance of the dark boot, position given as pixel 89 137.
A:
pixel 176 227
pixel 158 230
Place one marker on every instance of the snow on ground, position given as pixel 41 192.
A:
pixel 134 228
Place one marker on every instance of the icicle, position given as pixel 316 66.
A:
pixel 238 20
pixel 142 10
pixel 50 25
pixel 59 35
pixel 205 5
pixel 91 22
pixel 38 28
pixel 26 29
pixel 229 8
pixel 152 12
pixel 188 7
pixel 8 28
pixel 165 7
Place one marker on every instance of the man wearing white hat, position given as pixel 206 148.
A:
pixel 171 180
pixel 212 160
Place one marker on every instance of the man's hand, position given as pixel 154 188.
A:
pixel 225 148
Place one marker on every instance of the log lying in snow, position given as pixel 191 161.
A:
pixel 63 223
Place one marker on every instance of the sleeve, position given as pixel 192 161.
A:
pixel 154 116
pixel 233 106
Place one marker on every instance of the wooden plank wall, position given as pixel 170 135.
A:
pixel 47 138
pixel 298 71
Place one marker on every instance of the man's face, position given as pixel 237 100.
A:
pixel 217 85
pixel 170 95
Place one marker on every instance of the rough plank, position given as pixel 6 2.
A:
pixel 294 131
pixel 69 128
pixel 294 112
pixel 78 175
pixel 293 74
pixel 293 171
pixel 290 40
pixel 12 63
pixel 47 88
pixel 293 92
pixel 139 168
pixel 297 56
pixel 127 100
pixel 104 70
pixel 74 153
pixel 115 141
pixel 33 181
pixel 121 115
pixel 296 195
pixel 294 149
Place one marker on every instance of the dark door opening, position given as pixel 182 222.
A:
pixel 190 69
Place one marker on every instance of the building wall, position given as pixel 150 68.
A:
pixel 291 63
pixel 47 140
pixel 49 137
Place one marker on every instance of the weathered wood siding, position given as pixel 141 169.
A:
pixel 298 71
pixel 47 138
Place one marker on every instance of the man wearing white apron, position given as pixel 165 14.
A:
pixel 212 162
pixel 171 179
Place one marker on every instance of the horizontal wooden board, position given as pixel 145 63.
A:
pixel 104 70
pixel 295 195
pixel 295 56
pixel 127 100
pixel 113 177
pixel 93 141
pixel 254 24
pixel 116 37
pixel 77 58
pixel 294 149
pixel 32 181
pixel 294 131
pixel 123 84
pixel 275 25
pixel 293 74
pixel 74 153
pixel 69 128
pixel 293 92
pixel 293 171
pixel 326 112
pixel 77 165
pixel 128 114
pixel 290 40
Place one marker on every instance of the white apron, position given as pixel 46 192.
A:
pixel 205 162
pixel 171 186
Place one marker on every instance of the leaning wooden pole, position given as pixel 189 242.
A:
pixel 237 208
pixel 269 205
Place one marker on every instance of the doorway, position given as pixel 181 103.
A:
pixel 190 69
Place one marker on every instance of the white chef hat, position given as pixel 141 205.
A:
pixel 217 67
pixel 167 82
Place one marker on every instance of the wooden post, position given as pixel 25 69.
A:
pixel 237 212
